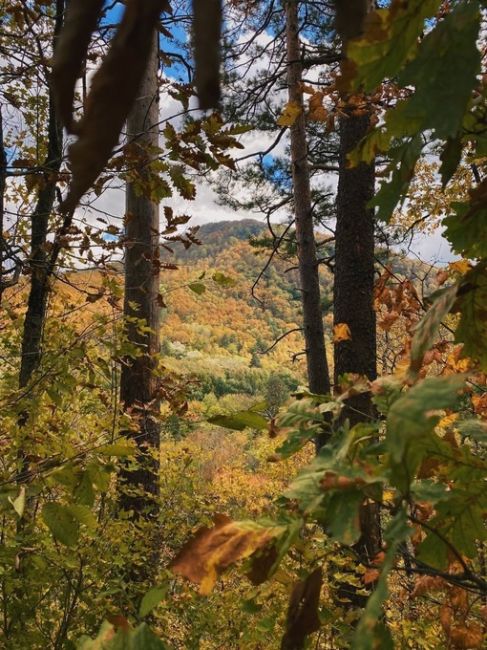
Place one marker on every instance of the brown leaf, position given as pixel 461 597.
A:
pixel 262 564
pixel 302 616
pixel 207 16
pixel 212 550
pixel 112 94
pixel 370 576
pixel 70 53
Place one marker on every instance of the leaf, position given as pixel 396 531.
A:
pixel 289 115
pixel 62 523
pixel 113 92
pixel 302 616
pixel 240 421
pixel 390 39
pixel 151 599
pixel 410 418
pixel 111 638
pixel 472 304
pixel 212 550
pixel 476 429
pixel 118 449
pixel 342 516
pixel 80 22
pixel 198 288
pixel 207 25
pixel 427 328
pixel 436 61
pixel 18 504
pixel 341 332
pixel 223 280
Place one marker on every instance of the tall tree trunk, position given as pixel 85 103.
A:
pixel 38 262
pixel 317 364
pixel 3 179
pixel 354 277
pixel 138 382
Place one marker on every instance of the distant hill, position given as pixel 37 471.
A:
pixel 216 236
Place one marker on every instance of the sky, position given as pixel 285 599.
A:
pixel 206 208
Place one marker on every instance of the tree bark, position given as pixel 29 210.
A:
pixel 354 280
pixel 39 287
pixel 138 388
pixel 317 364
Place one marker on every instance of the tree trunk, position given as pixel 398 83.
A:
pixel 317 365
pixel 138 382
pixel 354 283
pixel 39 287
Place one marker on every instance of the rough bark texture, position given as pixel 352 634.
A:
pixel 354 283
pixel 138 383
pixel 317 365
pixel 39 287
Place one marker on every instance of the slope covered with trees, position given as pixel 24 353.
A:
pixel 242 436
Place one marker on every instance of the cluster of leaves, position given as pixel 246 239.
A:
pixel 422 464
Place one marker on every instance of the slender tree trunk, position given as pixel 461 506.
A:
pixel 317 365
pixel 39 287
pixel 354 279
pixel 3 178
pixel 138 382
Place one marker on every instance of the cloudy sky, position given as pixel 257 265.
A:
pixel 205 208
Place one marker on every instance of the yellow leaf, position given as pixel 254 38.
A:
pixel 341 332
pixel 290 114
pixel 462 266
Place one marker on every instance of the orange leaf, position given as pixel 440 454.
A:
pixel 341 332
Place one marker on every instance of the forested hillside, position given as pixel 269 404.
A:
pixel 253 434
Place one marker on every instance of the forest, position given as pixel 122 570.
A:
pixel 243 324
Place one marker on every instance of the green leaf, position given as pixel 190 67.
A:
pixel 405 157
pixel 240 421
pixel 433 551
pixel 472 303
pixel 476 429
pixel 118 449
pixel 450 159
pixel 83 514
pixel 223 280
pixel 390 39
pixel 342 516
pixel 465 230
pixel 197 287
pixel 410 418
pixel 151 599
pixel 437 61
pixel 427 328
pixel 18 504
pixel 62 523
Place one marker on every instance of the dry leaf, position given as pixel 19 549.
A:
pixel 112 95
pixel 70 53
pixel 302 617
pixel 341 332
pixel 212 550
